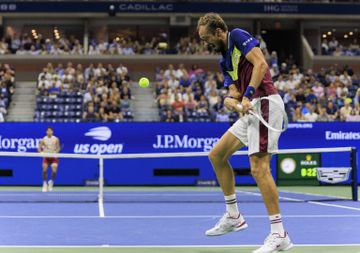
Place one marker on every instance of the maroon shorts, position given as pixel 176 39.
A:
pixel 252 133
pixel 50 160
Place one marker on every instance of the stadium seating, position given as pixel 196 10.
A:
pixel 67 97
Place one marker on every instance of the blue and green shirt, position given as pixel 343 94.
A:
pixel 237 69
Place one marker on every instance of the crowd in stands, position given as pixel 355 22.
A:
pixel 197 95
pixel 28 45
pixel 7 88
pixel 331 95
pixel 190 95
pixel 77 93
pixel 333 47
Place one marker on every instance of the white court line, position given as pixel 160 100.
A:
pixel 172 216
pixel 101 207
pixel 171 246
pixel 310 202
pixel 259 194
pixel 56 194
pixel 334 205
pixel 314 194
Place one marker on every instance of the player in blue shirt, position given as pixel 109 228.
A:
pixel 247 77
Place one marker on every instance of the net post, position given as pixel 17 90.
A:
pixel 101 178
pixel 354 178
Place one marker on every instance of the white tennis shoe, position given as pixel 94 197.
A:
pixel 50 185
pixel 227 224
pixel 275 242
pixel 44 187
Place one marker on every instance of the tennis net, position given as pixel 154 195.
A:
pixel 294 170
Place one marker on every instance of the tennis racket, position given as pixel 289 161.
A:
pixel 276 106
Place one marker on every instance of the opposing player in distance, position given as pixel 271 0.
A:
pixel 49 144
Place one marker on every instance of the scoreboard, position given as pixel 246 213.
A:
pixel 297 169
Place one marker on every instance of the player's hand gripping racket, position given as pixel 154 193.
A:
pixel 256 111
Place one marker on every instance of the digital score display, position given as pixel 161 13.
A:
pixel 298 169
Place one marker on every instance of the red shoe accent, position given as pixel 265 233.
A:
pixel 243 223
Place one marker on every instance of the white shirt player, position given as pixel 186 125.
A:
pixel 50 144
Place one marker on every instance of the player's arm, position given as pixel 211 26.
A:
pixel 41 145
pixel 257 59
pixel 231 100
pixel 57 150
pixel 233 96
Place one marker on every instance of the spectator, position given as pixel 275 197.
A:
pixel 331 110
pixel 323 116
pixel 90 115
pixel 345 110
pixel 311 116
pixel 298 115
pixel 280 83
pixel 121 70
pixel 182 72
pixel 210 84
pixel 341 90
pixel 333 44
pixel 127 49
pixel 353 116
pixel 173 82
pixel 170 71
pixel 185 81
pixel 190 105
pixel 178 107
pixel 331 91
pixel 3 105
pixel 113 112
pixel 318 90
pixel 357 97
pixel 169 116
pixel 221 116
pixel 324 47
pixel 53 90
pixel 345 79
pixel 291 83
pixel 274 59
pixel 274 70
pixel 203 106
pixel 310 97
pixel 213 98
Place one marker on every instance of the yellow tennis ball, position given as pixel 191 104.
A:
pixel 144 82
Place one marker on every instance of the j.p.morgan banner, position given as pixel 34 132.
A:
pixel 113 138
pixel 118 138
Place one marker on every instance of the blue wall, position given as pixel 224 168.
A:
pixel 115 138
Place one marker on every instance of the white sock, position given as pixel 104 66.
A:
pixel 231 205
pixel 276 224
pixel 44 182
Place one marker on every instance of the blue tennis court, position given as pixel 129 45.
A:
pixel 170 217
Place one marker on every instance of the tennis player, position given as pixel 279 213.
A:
pixel 247 77
pixel 49 144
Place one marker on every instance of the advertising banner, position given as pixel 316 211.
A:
pixel 119 138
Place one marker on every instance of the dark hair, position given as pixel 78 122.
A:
pixel 50 129
pixel 212 21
